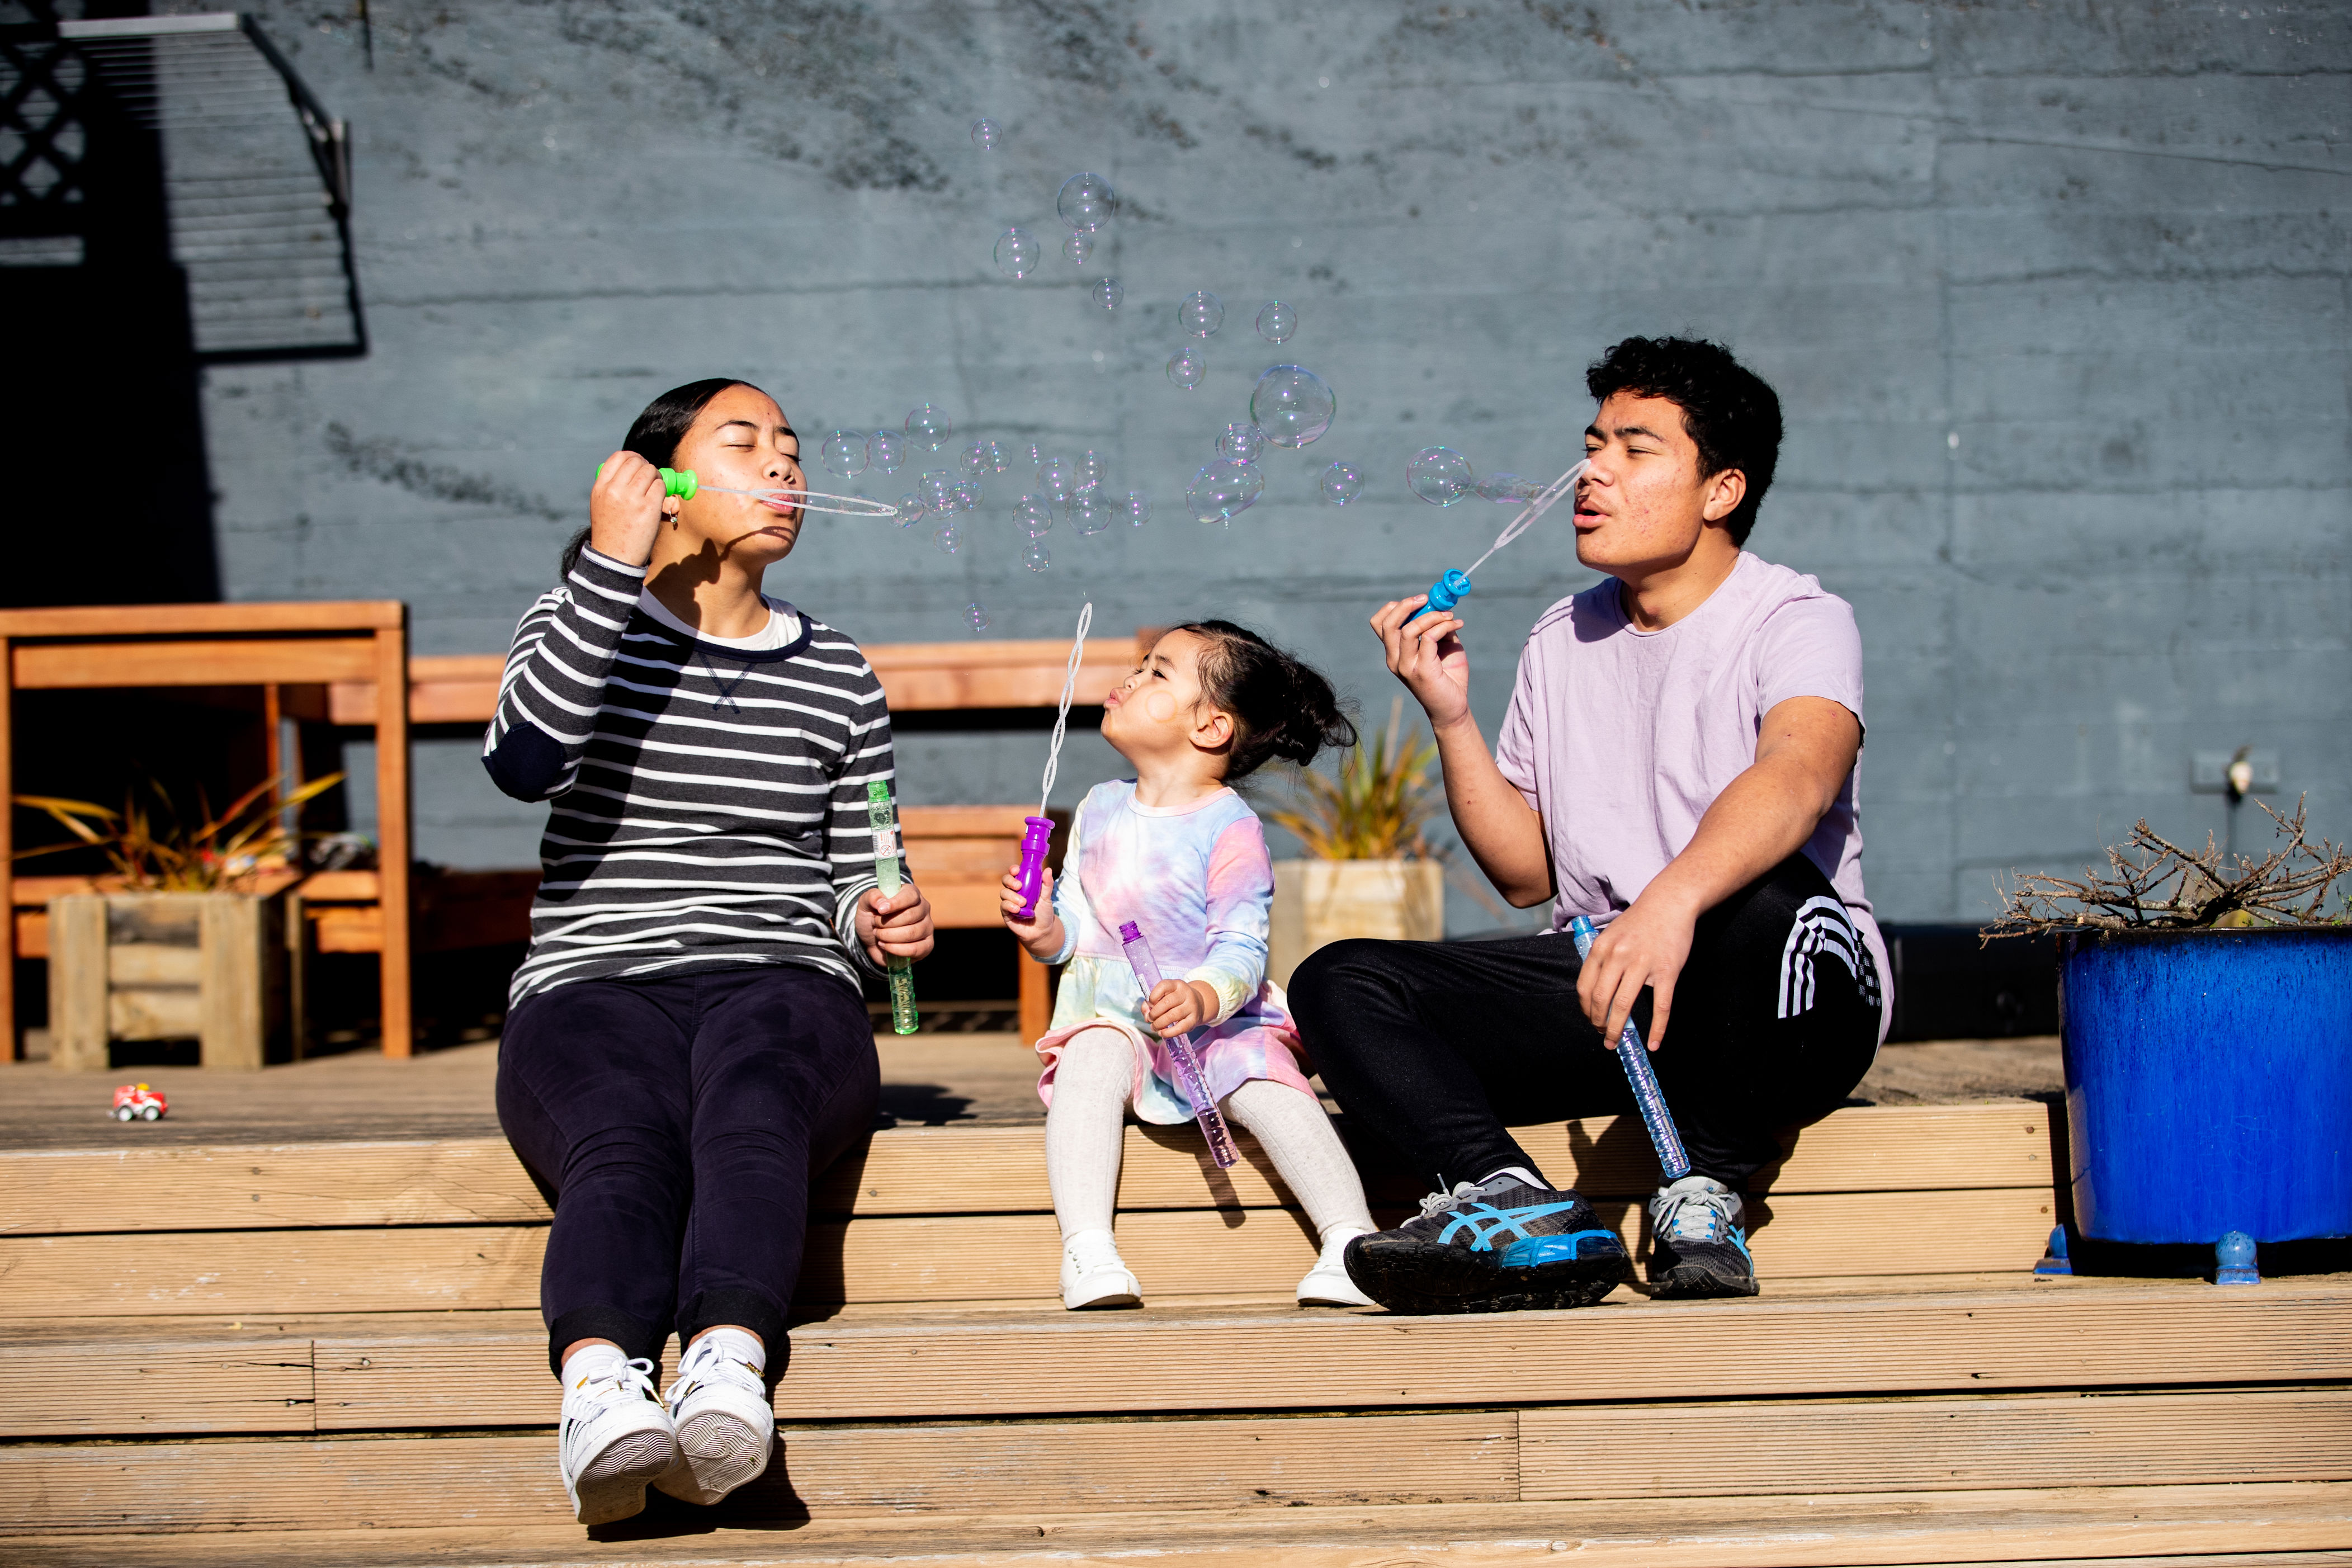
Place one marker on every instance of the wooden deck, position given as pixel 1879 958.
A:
pixel 326 1348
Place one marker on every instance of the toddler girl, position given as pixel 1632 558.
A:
pixel 1176 851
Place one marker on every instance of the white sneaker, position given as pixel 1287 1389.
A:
pixel 1326 1284
pixel 1092 1274
pixel 725 1426
pixel 615 1439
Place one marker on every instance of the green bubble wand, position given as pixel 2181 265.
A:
pixel 882 816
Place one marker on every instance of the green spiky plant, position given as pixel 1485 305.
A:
pixel 1377 806
pixel 151 850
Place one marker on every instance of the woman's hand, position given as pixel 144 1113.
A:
pixel 1427 656
pixel 1178 1006
pixel 896 926
pixel 624 509
pixel 1040 938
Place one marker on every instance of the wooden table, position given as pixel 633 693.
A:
pixel 267 645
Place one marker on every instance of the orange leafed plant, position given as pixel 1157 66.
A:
pixel 153 852
pixel 1377 807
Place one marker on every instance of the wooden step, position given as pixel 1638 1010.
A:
pixel 925 1258
pixel 363 1372
pixel 949 1169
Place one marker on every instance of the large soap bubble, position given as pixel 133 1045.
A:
pixel 967 495
pixel 1033 516
pixel 1078 246
pixel 949 538
pixel 911 510
pixel 1186 366
pixel 1291 404
pixel 938 489
pixel 975 460
pixel 1277 322
pixel 984 134
pixel 1137 508
pixel 1087 203
pixel 883 452
pixel 1089 513
pixel 1201 313
pixel 1243 440
pixel 1224 490
pixel 1018 253
pixel 976 617
pixel 929 429
pixel 843 454
pixel 1034 557
pixel 1107 292
pixel 1088 471
pixel 1342 482
pixel 1057 477
pixel 1439 475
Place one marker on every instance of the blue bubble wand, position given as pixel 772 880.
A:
pixel 1635 1058
pixel 1455 587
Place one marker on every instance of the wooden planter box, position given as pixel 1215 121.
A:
pixel 167 966
pixel 1317 902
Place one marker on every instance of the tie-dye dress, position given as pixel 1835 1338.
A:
pixel 1198 880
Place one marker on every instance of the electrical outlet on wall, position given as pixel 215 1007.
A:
pixel 2208 772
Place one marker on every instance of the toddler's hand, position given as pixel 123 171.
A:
pixel 1043 936
pixel 1179 1006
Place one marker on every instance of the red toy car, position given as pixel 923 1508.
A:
pixel 137 1102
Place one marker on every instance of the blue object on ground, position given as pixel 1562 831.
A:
pixel 2234 1261
pixel 2053 1256
pixel 2208 1083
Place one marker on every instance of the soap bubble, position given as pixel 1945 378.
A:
pixel 967 495
pixel 1035 454
pixel 984 134
pixel 843 454
pixel 1034 557
pixel 1018 253
pixel 1137 508
pixel 949 538
pixel 928 428
pixel 1277 322
pixel 976 617
pixel 1224 490
pixel 1509 489
pixel 993 459
pixel 937 489
pixel 1089 513
pixel 1245 441
pixel 1057 477
pixel 1033 516
pixel 1088 471
pixel 1201 313
pixel 1439 475
pixel 1107 292
pixel 1087 203
pixel 1186 367
pixel 1291 404
pixel 911 510
pixel 1079 247
pixel 883 452
pixel 1342 482
pixel 975 458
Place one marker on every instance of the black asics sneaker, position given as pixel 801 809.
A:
pixel 1497 1246
pixel 1697 1248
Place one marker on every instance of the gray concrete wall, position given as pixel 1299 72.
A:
pixel 2055 294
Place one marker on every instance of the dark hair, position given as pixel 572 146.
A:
pixel 1732 415
pixel 655 435
pixel 1280 707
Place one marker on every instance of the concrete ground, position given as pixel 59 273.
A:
pixel 928 1079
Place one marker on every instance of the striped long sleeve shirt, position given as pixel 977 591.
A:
pixel 707 803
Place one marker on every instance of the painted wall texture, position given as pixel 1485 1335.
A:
pixel 2054 295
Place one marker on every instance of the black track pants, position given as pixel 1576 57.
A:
pixel 676 1124
pixel 1435 1047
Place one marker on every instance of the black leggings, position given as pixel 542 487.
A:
pixel 676 1123
pixel 1434 1046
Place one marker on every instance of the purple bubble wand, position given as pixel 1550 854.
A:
pixel 1039 837
pixel 1181 1052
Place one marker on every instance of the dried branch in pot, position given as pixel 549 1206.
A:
pixel 2151 883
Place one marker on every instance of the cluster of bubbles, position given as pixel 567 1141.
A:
pixel 1201 313
pixel 846 454
pixel 1290 406
pixel 1071 490
pixel 1085 203
pixel 1441 475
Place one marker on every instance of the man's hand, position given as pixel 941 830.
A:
pixel 1427 657
pixel 1043 936
pixel 1646 946
pixel 1178 1006
pixel 896 926
pixel 624 509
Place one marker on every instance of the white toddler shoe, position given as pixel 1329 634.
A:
pixel 1092 1274
pixel 1326 1284
pixel 615 1439
pixel 725 1424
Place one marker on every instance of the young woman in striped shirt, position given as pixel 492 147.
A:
pixel 687 1044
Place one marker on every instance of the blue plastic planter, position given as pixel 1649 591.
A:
pixel 2208 1083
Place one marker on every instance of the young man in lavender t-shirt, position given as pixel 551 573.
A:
pixel 1678 764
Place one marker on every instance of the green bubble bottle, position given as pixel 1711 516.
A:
pixel 882 816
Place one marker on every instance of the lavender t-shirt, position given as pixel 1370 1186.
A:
pixel 1621 738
